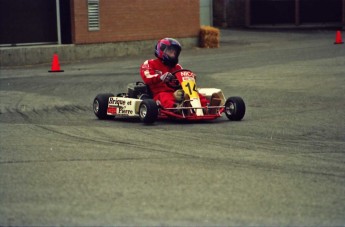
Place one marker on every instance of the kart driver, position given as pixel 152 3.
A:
pixel 157 72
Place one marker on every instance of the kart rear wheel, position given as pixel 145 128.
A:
pixel 235 108
pixel 100 106
pixel 148 111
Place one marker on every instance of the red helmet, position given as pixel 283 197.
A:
pixel 162 49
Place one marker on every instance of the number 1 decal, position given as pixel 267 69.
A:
pixel 189 89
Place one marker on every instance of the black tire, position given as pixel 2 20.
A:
pixel 235 108
pixel 100 106
pixel 148 111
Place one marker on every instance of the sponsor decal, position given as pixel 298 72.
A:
pixel 112 110
pixel 187 78
pixel 125 112
pixel 187 74
pixel 117 101
pixel 120 106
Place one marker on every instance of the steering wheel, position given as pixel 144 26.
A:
pixel 174 83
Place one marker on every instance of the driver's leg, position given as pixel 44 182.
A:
pixel 166 99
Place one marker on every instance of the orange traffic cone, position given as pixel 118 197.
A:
pixel 55 65
pixel 338 38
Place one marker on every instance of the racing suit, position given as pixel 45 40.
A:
pixel 150 72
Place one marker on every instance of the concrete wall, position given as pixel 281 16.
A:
pixel 31 55
pixel 206 12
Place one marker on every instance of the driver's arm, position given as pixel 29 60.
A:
pixel 149 74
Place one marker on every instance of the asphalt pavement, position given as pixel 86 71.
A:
pixel 282 165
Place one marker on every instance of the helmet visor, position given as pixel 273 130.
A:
pixel 172 51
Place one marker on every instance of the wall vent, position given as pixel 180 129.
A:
pixel 93 15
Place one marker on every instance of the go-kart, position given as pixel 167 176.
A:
pixel 138 102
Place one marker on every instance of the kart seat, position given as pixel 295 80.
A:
pixel 139 90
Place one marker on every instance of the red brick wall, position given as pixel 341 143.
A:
pixel 130 20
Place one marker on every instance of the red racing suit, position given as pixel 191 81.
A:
pixel 150 72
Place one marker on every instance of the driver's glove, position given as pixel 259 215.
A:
pixel 166 77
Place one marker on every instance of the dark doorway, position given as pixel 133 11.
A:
pixel 320 11
pixel 33 22
pixel 24 21
pixel 272 11
pixel 65 21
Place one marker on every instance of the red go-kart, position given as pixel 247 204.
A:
pixel 138 102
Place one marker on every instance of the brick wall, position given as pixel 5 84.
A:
pixel 130 20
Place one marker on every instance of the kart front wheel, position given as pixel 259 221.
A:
pixel 148 111
pixel 235 108
pixel 100 106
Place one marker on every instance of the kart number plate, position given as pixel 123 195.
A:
pixel 189 87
